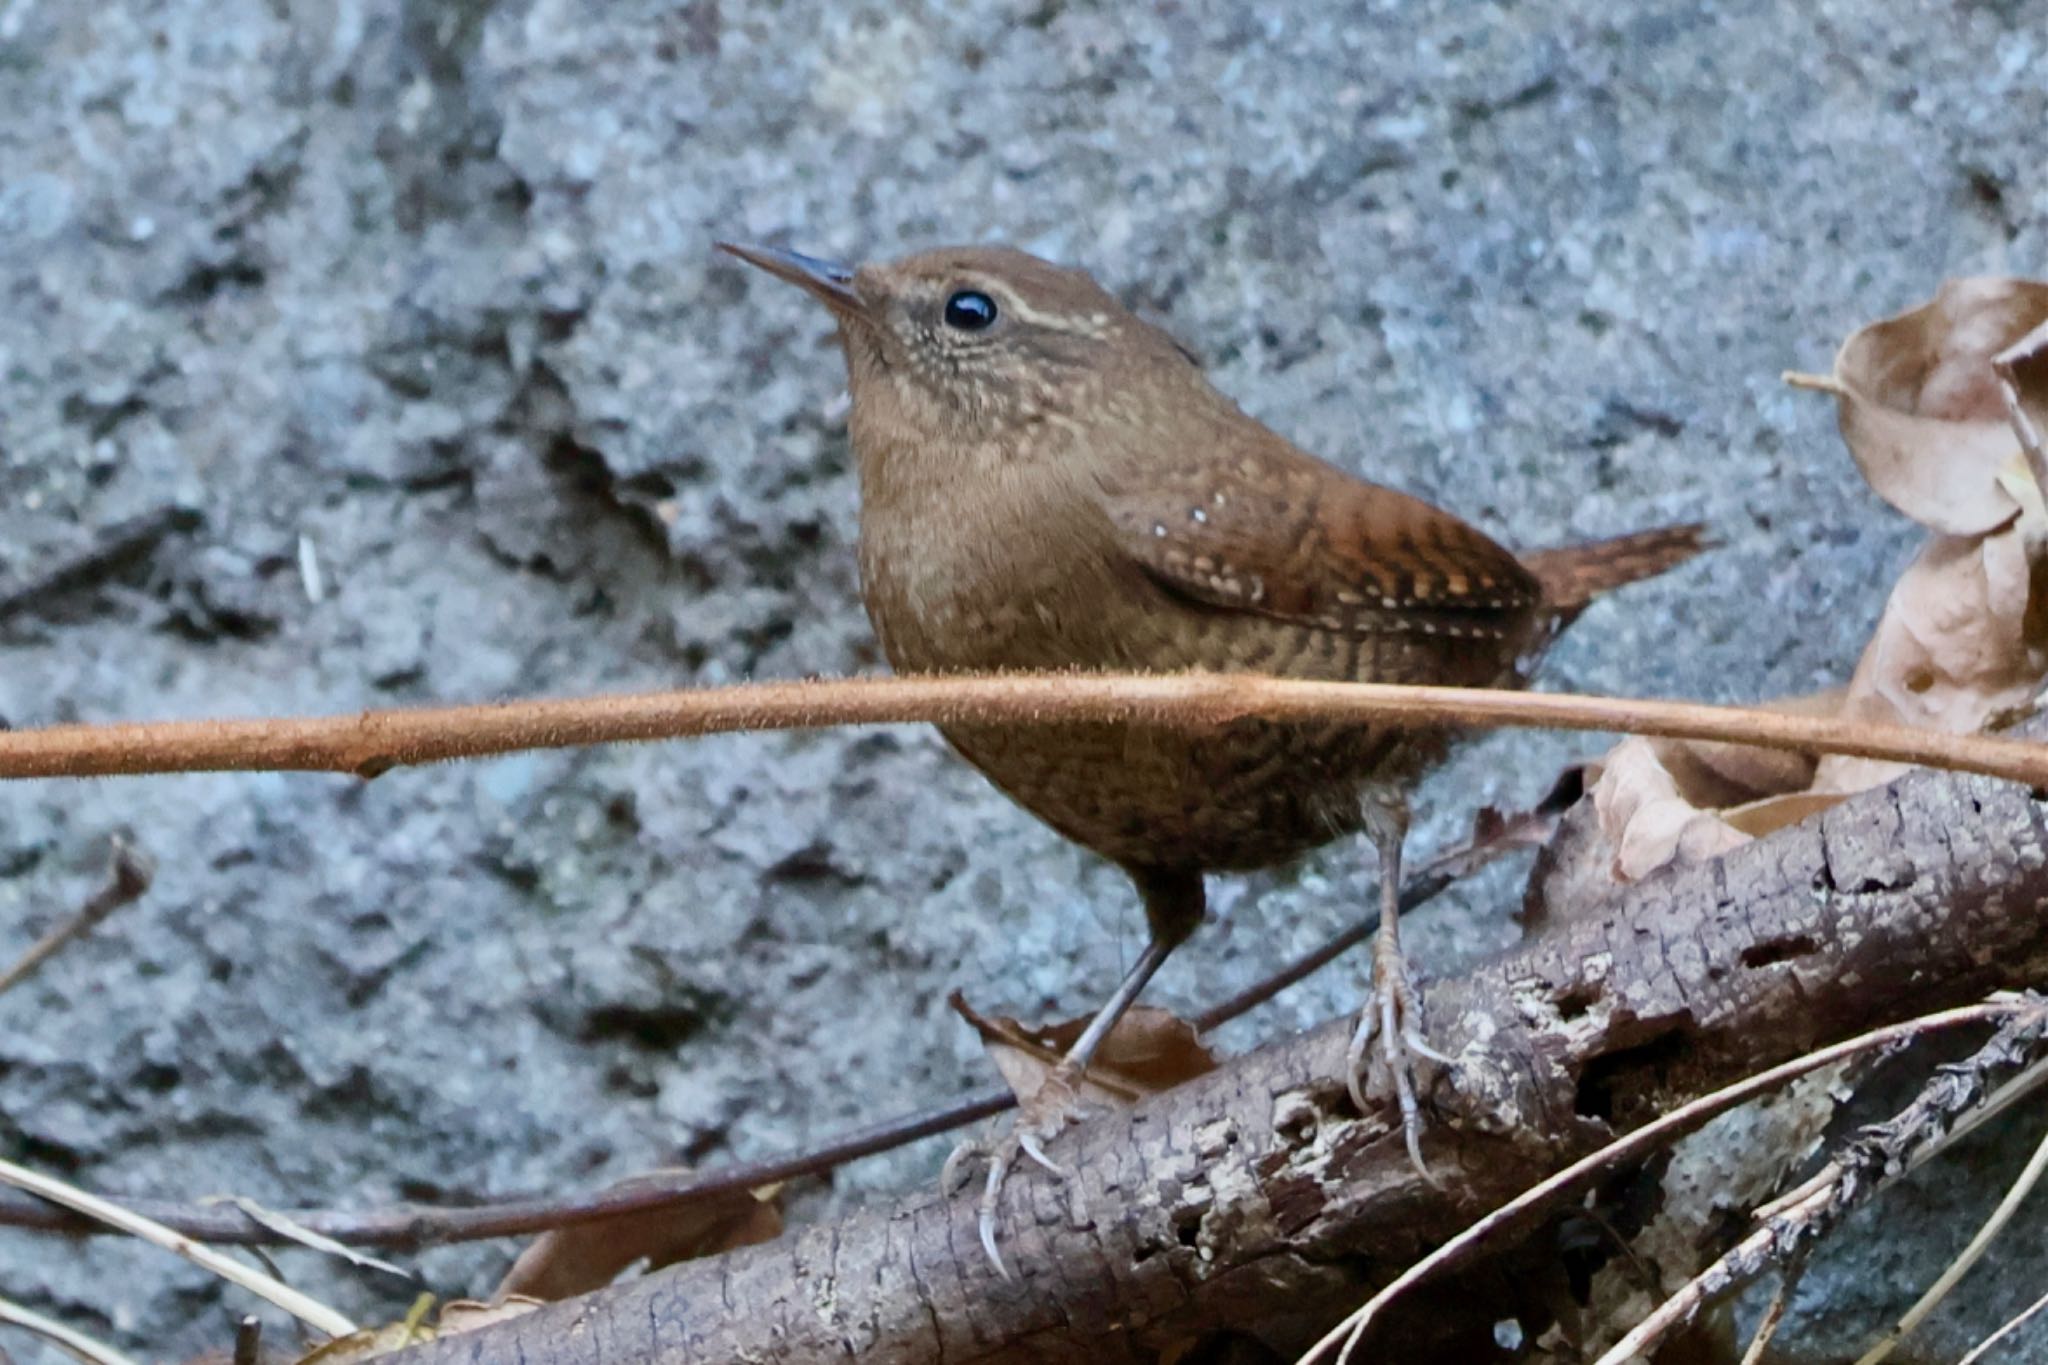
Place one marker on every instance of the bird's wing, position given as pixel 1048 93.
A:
pixel 1277 533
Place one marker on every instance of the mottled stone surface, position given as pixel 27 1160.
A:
pixel 418 292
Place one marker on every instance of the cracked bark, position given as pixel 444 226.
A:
pixel 1254 1200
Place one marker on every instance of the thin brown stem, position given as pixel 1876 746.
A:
pixel 374 742
pixel 1817 383
pixel 68 1339
pixel 127 879
pixel 2012 1325
pixel 249 1341
pixel 114 551
pixel 407 1229
pixel 1774 1312
pixel 125 1219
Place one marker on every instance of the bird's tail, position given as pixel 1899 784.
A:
pixel 1573 575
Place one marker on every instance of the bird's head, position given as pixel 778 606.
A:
pixel 969 343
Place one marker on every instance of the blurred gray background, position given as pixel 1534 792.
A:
pixel 418 295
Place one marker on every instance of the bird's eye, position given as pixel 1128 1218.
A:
pixel 970 310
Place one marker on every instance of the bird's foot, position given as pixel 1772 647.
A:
pixel 1045 1114
pixel 1393 1018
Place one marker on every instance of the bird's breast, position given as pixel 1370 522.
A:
pixel 988 579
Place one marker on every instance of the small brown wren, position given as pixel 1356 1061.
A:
pixel 1048 482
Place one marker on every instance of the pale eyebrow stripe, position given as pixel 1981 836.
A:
pixel 1091 324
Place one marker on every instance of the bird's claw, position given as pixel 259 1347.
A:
pixel 1030 1145
pixel 1393 1017
pixel 1054 1106
pixel 954 1175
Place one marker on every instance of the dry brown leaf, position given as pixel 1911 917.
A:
pixel 1647 820
pixel 368 1344
pixel 456 1317
pixel 587 1256
pixel 1963 638
pixel 1495 834
pixel 1921 407
pixel 467 1315
pixel 1148 1051
pixel 1940 408
pixel 1713 774
pixel 1663 799
pixel 372 1342
pixel 1773 813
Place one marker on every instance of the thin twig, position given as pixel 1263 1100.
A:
pixel 115 549
pixel 1774 1312
pixel 249 1341
pixel 70 1339
pixel 2017 1321
pixel 1533 1203
pixel 308 1310
pixel 289 1230
pixel 410 1228
pixel 378 741
pixel 127 880
pixel 2007 1095
pixel 1724 1274
pixel 2021 1187
pixel 1818 383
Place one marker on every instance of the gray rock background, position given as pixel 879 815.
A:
pixel 425 287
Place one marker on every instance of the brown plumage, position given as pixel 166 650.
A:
pixel 1048 482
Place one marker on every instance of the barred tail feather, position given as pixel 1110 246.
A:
pixel 1573 575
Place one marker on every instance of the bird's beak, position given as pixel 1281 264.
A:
pixel 830 282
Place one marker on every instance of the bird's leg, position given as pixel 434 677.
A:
pixel 1393 1009
pixel 1173 907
